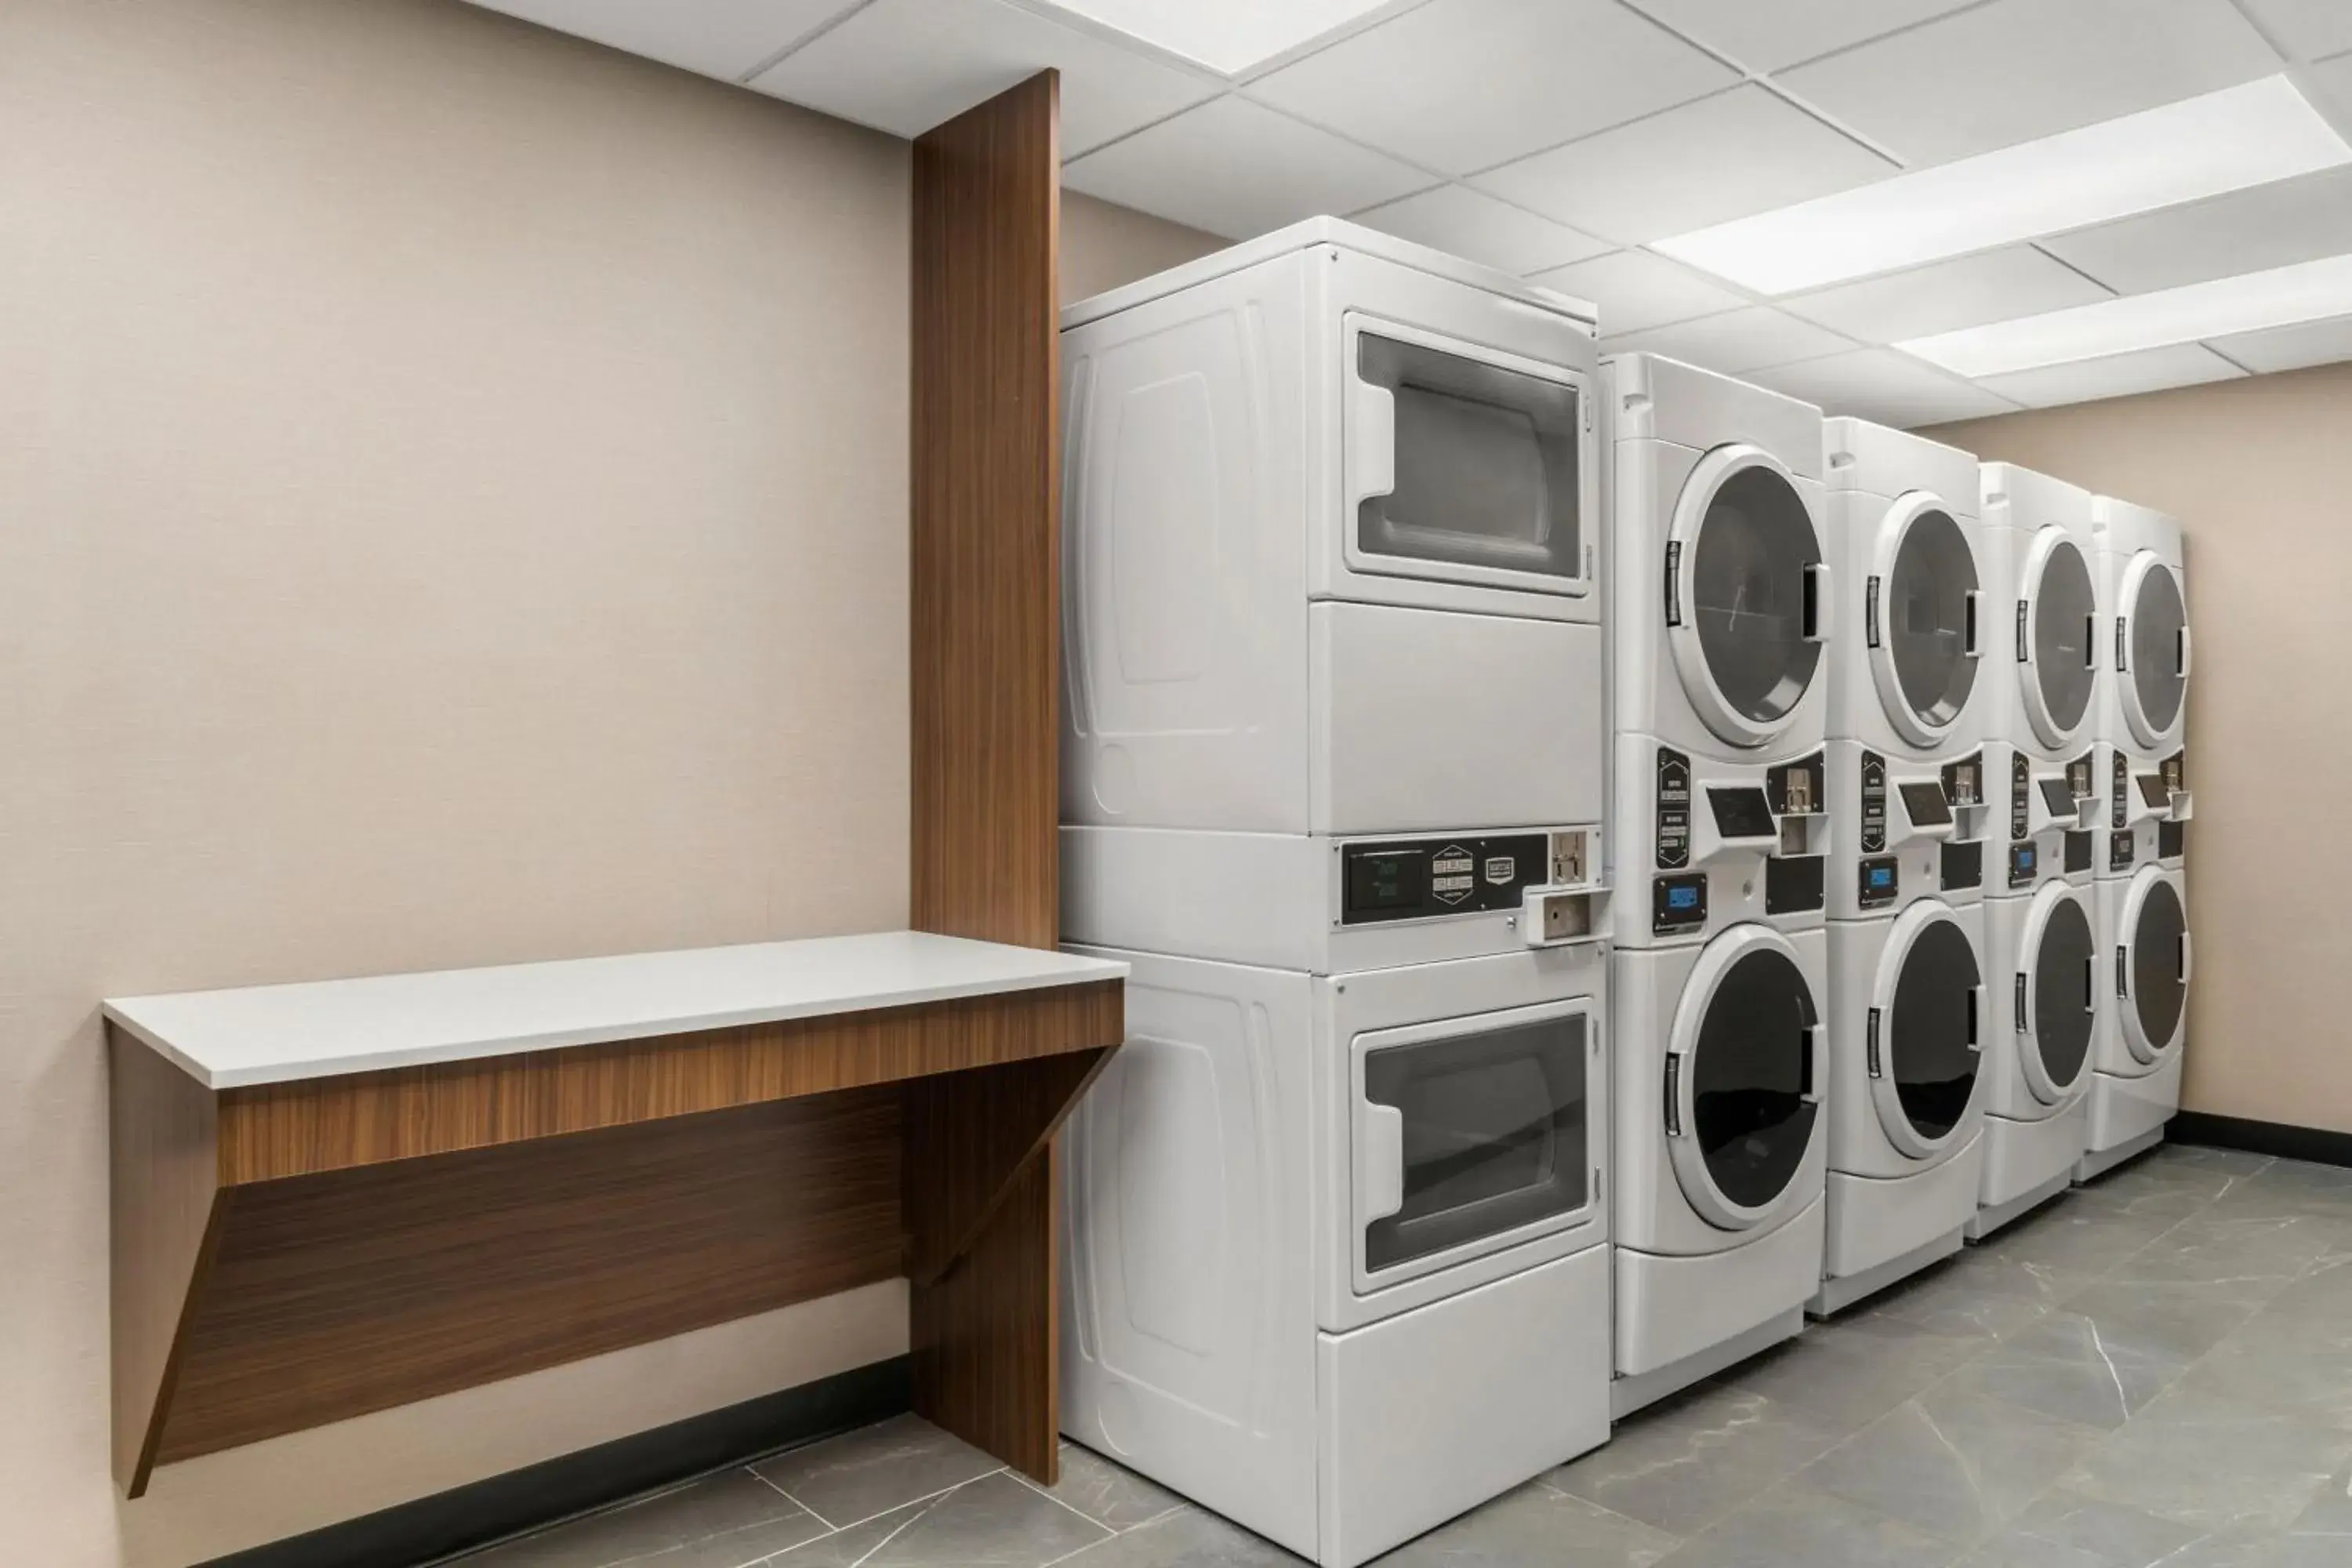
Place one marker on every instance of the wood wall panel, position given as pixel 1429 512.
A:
pixel 332 1123
pixel 335 1295
pixel 985 523
pixel 163 1236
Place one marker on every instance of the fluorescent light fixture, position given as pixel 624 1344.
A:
pixel 1227 36
pixel 2251 302
pixel 2182 152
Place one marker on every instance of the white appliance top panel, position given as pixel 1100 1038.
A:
pixel 1874 459
pixel 274 1033
pixel 1327 231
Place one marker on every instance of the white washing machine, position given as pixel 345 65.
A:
pixel 1331 1240
pixel 1333 772
pixel 2135 1088
pixel 1906 1090
pixel 2047 974
pixel 1720 604
pixel 2147 806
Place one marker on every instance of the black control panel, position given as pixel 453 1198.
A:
pixel 2059 797
pixel 2119 790
pixel 1873 796
pixel 1422 878
pixel 2079 850
pixel 1674 810
pixel 2122 850
pixel 1964 782
pixel 1963 865
pixel 1677 903
pixel 1794 884
pixel 2024 863
pixel 1882 881
pixel 1800 788
pixel 2020 799
pixel 2153 790
pixel 1741 812
pixel 1924 803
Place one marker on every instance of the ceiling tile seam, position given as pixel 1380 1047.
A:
pixel 1354 29
pixel 1749 77
pixel 2265 32
pixel 803 41
pixel 1458 185
pixel 1436 176
pixel 1143 50
pixel 2039 245
pixel 2242 368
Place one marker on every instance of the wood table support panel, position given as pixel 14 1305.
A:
pixel 986 521
pixel 335 1295
pixel 164 1231
pixel 968 1135
pixel 985 1338
pixel 360 1119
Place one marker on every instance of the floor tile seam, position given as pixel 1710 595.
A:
pixel 830 1527
pixel 929 1496
pixel 1566 1496
pixel 1107 1531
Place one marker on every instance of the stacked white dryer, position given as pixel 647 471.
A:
pixel 1907 771
pixel 2047 977
pixel 2143 911
pixel 1333 777
pixel 1719 618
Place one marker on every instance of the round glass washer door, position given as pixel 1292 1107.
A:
pixel 1922 1034
pixel 1921 608
pixel 1741 1064
pixel 2059 957
pixel 2061 636
pixel 2153 949
pixel 1747 599
pixel 2153 645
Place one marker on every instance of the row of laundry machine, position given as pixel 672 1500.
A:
pixel 1610 862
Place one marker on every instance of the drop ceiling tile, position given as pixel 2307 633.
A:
pixel 1724 157
pixel 1767 35
pixel 1884 385
pixel 2331 90
pixel 1237 169
pixel 2019 70
pixel 2251 230
pixel 2291 348
pixel 1945 296
pixel 906 65
pixel 1458 220
pixel 1637 288
pixel 1462 85
pixel 1735 342
pixel 717 37
pixel 2118 375
pixel 2313 29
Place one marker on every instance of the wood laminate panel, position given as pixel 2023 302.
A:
pixel 986 518
pixel 164 1230
pixel 360 1119
pixel 969 1134
pixel 333 1295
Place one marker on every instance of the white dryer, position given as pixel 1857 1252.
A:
pixel 2043 727
pixel 2146 807
pixel 1333 1255
pixel 1907 1024
pixel 1721 1066
pixel 1908 691
pixel 2047 975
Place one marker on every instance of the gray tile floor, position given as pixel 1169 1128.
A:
pixel 2155 1369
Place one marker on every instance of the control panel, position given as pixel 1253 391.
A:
pixel 2021 801
pixel 1678 904
pixel 1800 788
pixel 1674 810
pixel 2024 863
pixel 2122 850
pixel 1872 804
pixel 1882 881
pixel 2120 791
pixel 1426 879
pixel 1964 782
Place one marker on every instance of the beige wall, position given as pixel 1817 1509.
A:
pixel 1104 245
pixel 452 511
pixel 2255 471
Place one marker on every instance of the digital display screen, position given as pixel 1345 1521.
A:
pixel 1882 876
pixel 2059 796
pixel 1741 813
pixel 2024 859
pixel 1927 805
pixel 1389 881
pixel 2154 790
pixel 1678 904
pixel 1682 898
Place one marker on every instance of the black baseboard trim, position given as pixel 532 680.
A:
pixel 480 1512
pixel 2315 1144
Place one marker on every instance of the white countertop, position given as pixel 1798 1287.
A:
pixel 274 1033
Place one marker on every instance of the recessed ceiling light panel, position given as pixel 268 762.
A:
pixel 2182 152
pixel 2252 302
pixel 1227 36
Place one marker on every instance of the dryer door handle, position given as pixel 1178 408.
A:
pixel 2187 963
pixel 1975 1018
pixel 1372 443
pixel 1821 593
pixel 1808 1084
pixel 1972 643
pixel 2180 652
pixel 1380 1179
